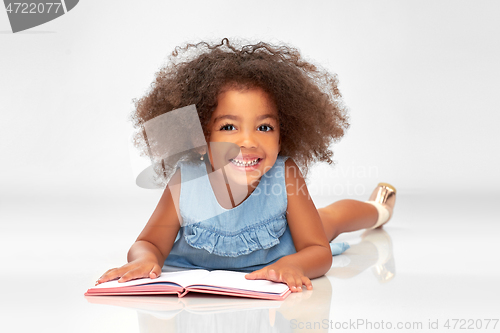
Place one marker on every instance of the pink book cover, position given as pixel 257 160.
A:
pixel 215 282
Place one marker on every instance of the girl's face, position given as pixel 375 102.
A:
pixel 249 120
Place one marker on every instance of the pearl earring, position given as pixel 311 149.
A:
pixel 201 158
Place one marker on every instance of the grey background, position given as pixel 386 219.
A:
pixel 419 78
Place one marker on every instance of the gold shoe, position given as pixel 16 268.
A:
pixel 385 195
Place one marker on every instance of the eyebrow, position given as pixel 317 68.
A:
pixel 228 116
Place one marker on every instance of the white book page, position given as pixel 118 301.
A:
pixel 229 279
pixel 182 278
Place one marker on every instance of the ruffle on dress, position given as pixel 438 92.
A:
pixel 256 237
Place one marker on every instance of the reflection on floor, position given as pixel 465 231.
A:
pixel 374 251
pixel 445 247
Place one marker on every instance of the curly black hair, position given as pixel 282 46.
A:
pixel 310 108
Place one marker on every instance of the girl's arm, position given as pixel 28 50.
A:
pixel 313 257
pixel 147 254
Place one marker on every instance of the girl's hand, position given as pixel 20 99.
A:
pixel 133 270
pixel 292 275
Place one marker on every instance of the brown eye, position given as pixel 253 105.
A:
pixel 227 127
pixel 265 128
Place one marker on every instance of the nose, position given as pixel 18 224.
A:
pixel 247 139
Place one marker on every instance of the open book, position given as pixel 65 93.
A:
pixel 198 280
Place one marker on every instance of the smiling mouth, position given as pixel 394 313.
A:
pixel 245 163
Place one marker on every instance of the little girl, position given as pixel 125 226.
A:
pixel 243 204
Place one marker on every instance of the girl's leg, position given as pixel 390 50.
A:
pixel 347 215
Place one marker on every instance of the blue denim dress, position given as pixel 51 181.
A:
pixel 247 237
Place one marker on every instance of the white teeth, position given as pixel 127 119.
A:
pixel 245 164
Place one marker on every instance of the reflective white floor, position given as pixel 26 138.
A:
pixel 435 263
